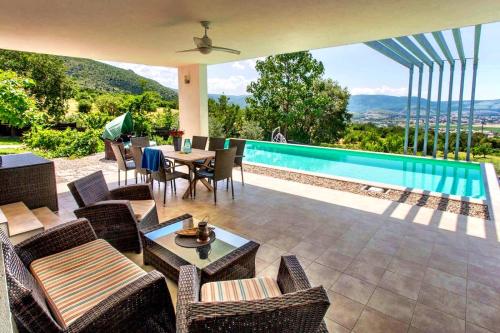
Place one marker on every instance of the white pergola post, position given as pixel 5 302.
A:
pixel 193 100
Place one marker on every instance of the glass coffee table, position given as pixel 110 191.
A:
pixel 228 257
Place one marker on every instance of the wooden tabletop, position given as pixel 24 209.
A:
pixel 195 155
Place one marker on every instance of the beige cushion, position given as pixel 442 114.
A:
pixel 76 280
pixel 240 290
pixel 142 208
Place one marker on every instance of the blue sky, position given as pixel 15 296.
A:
pixel 359 68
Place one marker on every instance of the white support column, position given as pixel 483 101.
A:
pixel 193 100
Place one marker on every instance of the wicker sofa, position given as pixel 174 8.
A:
pixel 43 283
pixel 116 215
pixel 293 306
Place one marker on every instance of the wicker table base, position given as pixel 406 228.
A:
pixel 238 264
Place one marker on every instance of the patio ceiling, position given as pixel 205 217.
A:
pixel 150 32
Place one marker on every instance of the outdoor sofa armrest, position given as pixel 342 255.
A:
pixel 132 192
pixel 55 240
pixel 291 275
pixel 109 211
pixel 141 306
pixel 187 292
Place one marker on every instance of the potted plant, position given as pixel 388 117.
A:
pixel 177 138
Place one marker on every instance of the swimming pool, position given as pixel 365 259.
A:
pixel 443 176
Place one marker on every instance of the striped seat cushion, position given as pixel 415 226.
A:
pixel 240 290
pixel 76 280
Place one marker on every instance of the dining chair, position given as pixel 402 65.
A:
pixel 167 173
pixel 240 153
pixel 199 142
pixel 222 170
pixel 140 141
pixel 123 163
pixel 137 157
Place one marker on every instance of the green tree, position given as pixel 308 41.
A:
pixel 16 103
pixel 329 118
pixel 292 94
pixel 227 115
pixel 109 103
pixel 52 87
pixel 251 130
pixel 483 149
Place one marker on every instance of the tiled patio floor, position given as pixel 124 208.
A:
pixel 388 267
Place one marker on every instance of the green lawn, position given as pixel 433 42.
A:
pixel 9 140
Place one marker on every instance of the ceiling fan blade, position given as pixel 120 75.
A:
pixel 190 50
pixel 225 49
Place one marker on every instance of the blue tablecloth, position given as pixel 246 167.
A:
pixel 151 158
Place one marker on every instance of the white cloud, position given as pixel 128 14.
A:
pixel 232 85
pixel 383 90
pixel 238 65
pixel 166 76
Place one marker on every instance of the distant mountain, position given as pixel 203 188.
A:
pixel 395 104
pixel 99 76
pixel 234 99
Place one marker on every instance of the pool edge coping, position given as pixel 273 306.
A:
pixel 492 190
pixel 388 186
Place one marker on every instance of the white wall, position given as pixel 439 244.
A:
pixel 193 100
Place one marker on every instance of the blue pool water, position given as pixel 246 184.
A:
pixel 449 177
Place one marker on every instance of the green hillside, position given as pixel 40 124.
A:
pixel 95 75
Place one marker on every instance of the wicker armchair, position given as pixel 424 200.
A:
pixel 143 305
pixel 299 308
pixel 116 215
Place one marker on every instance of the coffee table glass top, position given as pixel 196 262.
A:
pixel 225 242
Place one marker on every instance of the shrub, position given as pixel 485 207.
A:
pixel 67 143
pixel 94 120
pixel 215 128
pixel 84 106
pixel 251 130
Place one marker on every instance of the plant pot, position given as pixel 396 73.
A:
pixel 177 143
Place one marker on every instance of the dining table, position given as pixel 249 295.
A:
pixel 191 161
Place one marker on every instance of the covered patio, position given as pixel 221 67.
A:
pixel 386 266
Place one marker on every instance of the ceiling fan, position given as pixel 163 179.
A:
pixel 204 44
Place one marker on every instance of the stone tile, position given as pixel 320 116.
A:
pixel 322 275
pixel 284 242
pixel 407 268
pixel 443 300
pixel 446 281
pixel 365 271
pixel 334 259
pixel 451 253
pixel 416 254
pixel 374 257
pixel 471 328
pixel 483 293
pixel 372 321
pixel 384 246
pixel 333 327
pixel 484 276
pixel 444 264
pixel 483 315
pixel 347 248
pixel 400 284
pixel 343 310
pixel 391 304
pixel 269 253
pixel 430 320
pixel 354 288
pixel 308 250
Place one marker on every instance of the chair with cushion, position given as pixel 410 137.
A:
pixel 213 145
pixel 102 291
pixel 123 163
pixel 222 170
pixel 167 173
pixel 140 141
pixel 137 156
pixel 199 142
pixel 288 304
pixel 240 153
pixel 116 215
